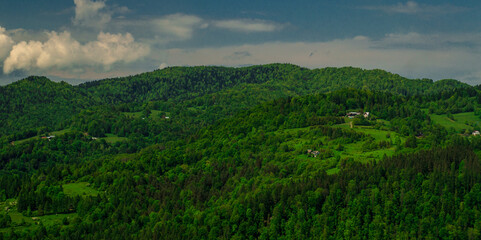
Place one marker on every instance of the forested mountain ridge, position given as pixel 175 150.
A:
pixel 189 82
pixel 263 152
pixel 37 102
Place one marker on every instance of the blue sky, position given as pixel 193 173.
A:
pixel 82 40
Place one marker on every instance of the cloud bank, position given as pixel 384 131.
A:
pixel 177 26
pixel 411 7
pixel 6 44
pixel 89 49
pixel 62 52
pixel 406 54
pixel 247 26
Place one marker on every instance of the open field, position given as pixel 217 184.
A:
pixel 55 133
pixel 459 122
pixel 362 151
pixel 154 114
pixel 79 189
pixel 24 223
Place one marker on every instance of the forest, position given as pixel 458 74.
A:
pixel 262 152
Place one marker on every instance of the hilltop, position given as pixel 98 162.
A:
pixel 37 102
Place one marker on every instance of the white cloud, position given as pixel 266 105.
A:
pixel 177 26
pixel 182 27
pixel 91 14
pixel 247 26
pixel 61 51
pixel 411 7
pixel 6 44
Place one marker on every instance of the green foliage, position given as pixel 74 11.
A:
pixel 38 102
pixel 227 153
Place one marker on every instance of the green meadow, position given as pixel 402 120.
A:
pixel 460 121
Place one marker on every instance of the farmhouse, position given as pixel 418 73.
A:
pixel 49 137
pixel 355 114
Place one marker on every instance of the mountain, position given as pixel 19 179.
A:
pixel 38 102
pixel 263 152
pixel 217 91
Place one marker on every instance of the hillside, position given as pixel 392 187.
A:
pixel 268 152
pixel 216 92
pixel 252 173
pixel 35 102
pixel 180 83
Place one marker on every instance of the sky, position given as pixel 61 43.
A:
pixel 82 40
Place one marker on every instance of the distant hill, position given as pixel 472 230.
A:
pixel 38 102
pixel 189 82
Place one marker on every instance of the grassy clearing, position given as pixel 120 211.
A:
pixel 358 151
pixel 24 223
pixel 112 138
pixel 379 135
pixel 29 224
pixel 55 133
pixel 133 114
pixel 79 189
pixel 154 115
pixel 459 122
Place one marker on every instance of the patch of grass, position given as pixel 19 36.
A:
pixel 79 189
pixel 379 135
pixel 55 133
pixel 154 115
pixel 332 171
pixel 112 138
pixel 133 114
pixel 30 223
pixel 356 150
pixel 358 153
pixel 459 122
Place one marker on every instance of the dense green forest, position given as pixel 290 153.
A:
pixel 263 152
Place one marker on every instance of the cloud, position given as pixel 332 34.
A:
pixel 182 27
pixel 444 60
pixel 247 26
pixel 91 14
pixel 6 44
pixel 177 26
pixel 414 40
pixel 162 66
pixel 238 55
pixel 62 52
pixel 412 7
